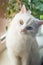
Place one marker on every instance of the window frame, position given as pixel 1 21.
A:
pixel 2 42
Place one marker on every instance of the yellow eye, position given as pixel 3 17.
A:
pixel 21 22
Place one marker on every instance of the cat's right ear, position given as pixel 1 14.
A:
pixel 23 9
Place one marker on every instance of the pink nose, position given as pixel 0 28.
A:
pixel 23 30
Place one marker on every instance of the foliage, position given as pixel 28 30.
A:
pixel 13 8
pixel 36 6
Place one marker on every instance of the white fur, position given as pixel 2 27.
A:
pixel 22 48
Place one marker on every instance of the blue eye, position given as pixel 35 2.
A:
pixel 29 28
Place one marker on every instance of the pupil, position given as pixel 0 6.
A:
pixel 29 28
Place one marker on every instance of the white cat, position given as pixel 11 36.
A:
pixel 21 44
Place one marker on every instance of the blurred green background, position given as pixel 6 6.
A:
pixel 36 6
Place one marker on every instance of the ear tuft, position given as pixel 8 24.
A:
pixel 23 9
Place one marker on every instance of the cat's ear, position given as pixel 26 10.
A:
pixel 23 9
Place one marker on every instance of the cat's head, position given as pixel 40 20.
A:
pixel 22 21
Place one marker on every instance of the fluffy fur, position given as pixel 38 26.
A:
pixel 21 46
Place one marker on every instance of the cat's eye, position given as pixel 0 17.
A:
pixel 29 28
pixel 21 22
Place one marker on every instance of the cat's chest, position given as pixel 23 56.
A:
pixel 16 40
pixel 19 43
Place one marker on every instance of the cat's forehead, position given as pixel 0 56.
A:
pixel 25 17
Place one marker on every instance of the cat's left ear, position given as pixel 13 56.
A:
pixel 23 9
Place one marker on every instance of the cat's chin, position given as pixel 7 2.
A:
pixel 23 33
